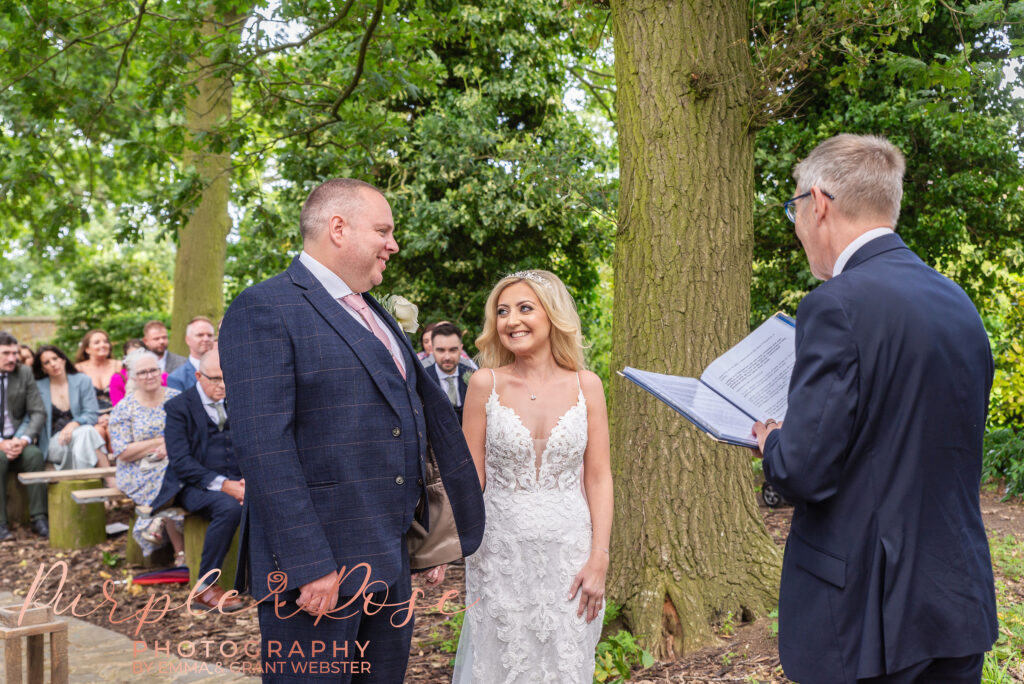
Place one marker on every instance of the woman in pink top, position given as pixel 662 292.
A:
pixel 119 381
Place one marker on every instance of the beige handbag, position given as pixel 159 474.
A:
pixel 440 545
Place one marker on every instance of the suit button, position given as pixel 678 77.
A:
pixel 419 481
pixel 399 480
pixel 397 432
pixel 416 411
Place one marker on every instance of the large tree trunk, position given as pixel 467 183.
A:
pixel 202 243
pixel 689 544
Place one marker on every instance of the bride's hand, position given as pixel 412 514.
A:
pixel 589 583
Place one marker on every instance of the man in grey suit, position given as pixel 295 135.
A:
pixel 22 416
pixel 154 338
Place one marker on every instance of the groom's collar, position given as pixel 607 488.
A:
pixel 335 286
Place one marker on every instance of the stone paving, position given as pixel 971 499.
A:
pixel 101 655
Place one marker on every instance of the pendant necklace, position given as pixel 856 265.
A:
pixel 533 397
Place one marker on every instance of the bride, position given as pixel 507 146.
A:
pixel 537 425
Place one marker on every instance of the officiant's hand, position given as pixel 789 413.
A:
pixel 589 583
pixel 760 431
pixel 320 595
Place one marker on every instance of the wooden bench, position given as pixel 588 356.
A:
pixel 133 552
pixel 74 524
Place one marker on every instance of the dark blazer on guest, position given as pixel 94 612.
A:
pixel 28 416
pixel 186 434
pixel 85 410
pixel 331 439
pixel 461 374
pixel 887 562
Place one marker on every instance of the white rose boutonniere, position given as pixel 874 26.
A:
pixel 402 310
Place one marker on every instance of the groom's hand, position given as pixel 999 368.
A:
pixel 321 595
pixel 434 576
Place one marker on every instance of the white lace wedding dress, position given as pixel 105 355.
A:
pixel 522 627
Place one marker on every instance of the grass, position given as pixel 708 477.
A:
pixel 1005 662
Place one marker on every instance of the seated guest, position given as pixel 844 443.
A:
pixel 26 355
pixel 120 383
pixel 22 418
pixel 154 338
pixel 199 337
pixel 199 448
pixel 69 439
pixel 449 372
pixel 93 359
pixel 137 441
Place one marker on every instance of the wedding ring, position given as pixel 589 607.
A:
pixel 770 421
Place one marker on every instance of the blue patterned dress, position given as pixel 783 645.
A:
pixel 133 422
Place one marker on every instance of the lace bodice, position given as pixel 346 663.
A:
pixel 520 627
pixel 515 462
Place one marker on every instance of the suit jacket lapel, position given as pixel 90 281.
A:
pixel 363 343
pixel 412 362
pixel 200 417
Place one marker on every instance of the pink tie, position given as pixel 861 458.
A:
pixel 356 301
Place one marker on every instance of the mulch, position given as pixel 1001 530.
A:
pixel 748 654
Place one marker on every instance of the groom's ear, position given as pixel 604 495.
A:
pixel 337 229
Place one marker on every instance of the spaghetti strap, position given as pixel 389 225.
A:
pixel 494 381
pixel 578 383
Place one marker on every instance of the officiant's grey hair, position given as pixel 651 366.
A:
pixel 340 196
pixel 863 172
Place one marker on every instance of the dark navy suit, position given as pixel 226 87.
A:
pixel 460 386
pixel 331 441
pixel 198 453
pixel 887 562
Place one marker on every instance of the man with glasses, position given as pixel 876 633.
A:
pixel 199 448
pixel 887 575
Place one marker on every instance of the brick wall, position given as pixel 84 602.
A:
pixel 30 330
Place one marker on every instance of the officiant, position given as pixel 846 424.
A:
pixel 886 575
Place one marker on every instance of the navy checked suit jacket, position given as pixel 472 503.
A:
pixel 887 562
pixel 320 422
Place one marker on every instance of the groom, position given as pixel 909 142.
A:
pixel 331 416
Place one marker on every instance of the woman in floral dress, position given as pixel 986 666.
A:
pixel 137 440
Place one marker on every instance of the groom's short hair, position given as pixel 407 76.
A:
pixel 337 195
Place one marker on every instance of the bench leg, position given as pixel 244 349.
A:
pixel 12 659
pixel 35 659
pixel 59 655
pixel 74 525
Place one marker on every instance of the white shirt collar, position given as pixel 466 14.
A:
pixel 334 285
pixel 851 248
pixel 194 361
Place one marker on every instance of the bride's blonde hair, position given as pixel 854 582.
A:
pixel 566 331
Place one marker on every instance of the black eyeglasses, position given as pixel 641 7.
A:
pixel 217 379
pixel 789 206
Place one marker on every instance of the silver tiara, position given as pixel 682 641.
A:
pixel 529 275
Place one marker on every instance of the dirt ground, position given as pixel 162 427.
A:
pixel 750 654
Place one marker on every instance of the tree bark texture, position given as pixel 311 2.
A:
pixel 689 545
pixel 202 243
